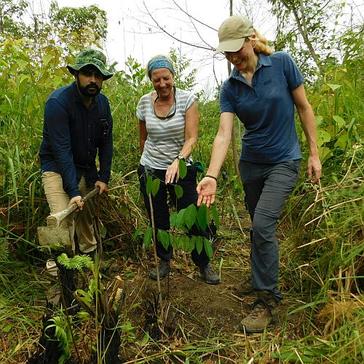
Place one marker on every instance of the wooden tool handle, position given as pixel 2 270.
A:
pixel 56 218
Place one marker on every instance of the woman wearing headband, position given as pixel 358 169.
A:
pixel 168 119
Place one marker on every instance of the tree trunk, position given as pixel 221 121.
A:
pixel 302 28
pixel 235 131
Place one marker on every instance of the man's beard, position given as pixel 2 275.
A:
pixel 90 90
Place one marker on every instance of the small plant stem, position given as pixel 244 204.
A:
pixel 236 215
pixel 334 207
pixel 97 313
pixel 349 169
pixel 220 267
pixel 155 247
pixel 72 336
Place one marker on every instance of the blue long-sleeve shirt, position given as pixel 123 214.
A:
pixel 73 136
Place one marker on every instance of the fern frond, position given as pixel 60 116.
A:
pixel 78 262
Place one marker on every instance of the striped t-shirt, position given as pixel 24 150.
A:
pixel 165 137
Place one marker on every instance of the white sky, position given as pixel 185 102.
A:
pixel 131 31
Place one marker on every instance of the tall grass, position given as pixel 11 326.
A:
pixel 20 309
pixel 322 228
pixel 323 245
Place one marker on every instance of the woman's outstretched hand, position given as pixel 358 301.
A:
pixel 206 190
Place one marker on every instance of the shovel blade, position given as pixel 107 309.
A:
pixel 54 236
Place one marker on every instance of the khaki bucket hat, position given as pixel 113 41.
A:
pixel 91 57
pixel 232 33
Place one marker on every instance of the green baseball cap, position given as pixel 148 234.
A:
pixel 233 32
pixel 91 57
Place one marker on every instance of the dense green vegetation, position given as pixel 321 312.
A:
pixel 322 229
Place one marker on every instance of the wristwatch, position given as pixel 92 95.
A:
pixel 180 157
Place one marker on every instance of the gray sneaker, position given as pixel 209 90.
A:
pixel 209 275
pixel 259 318
pixel 164 269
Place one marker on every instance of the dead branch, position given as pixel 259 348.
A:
pixel 192 17
pixel 171 35
pixel 302 28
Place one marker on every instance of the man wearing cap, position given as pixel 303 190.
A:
pixel 77 128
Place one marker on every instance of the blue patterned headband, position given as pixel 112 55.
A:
pixel 159 62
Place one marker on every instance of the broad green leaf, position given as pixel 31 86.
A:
pixel 83 316
pixel 155 186
pixel 147 241
pixel 184 242
pixel 351 124
pixel 7 328
pixel 173 219
pixel 190 216
pixel 163 237
pixel 333 86
pixel 178 190
pixel 149 185
pixel 47 58
pixel 144 341
pixel 340 122
pixel 208 248
pixel 287 355
pixel 323 137
pixel 137 234
pixel 214 215
pixel 57 80
pixel 202 217
pixel 199 244
pixel 180 218
pixel 182 169
pixel 173 240
pixel 190 243
pixel 22 64
pixel 319 119
pixel 342 141
pixel 325 153
pixel 4 108
pixel 24 78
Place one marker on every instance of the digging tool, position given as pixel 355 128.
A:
pixel 55 235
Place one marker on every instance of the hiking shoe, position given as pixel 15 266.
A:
pixel 209 275
pixel 164 269
pixel 259 318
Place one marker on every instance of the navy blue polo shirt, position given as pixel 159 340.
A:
pixel 266 109
pixel 73 136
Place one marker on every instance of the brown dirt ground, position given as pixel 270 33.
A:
pixel 194 319
pixel 191 310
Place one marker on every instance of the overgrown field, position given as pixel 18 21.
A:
pixel 321 234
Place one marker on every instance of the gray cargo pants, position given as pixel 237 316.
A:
pixel 266 187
